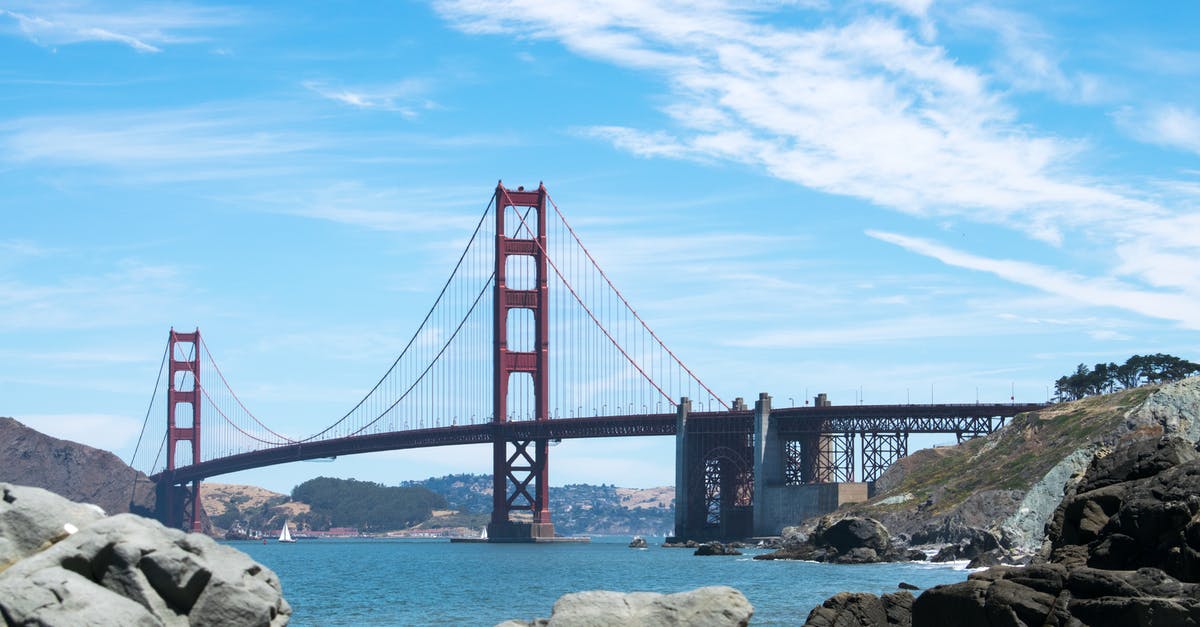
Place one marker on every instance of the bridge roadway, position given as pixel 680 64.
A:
pixel 941 418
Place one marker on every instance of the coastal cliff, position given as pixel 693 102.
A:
pixel 1011 481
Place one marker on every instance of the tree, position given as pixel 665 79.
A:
pixel 1138 369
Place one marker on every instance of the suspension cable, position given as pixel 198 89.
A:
pixel 597 322
pixel 435 359
pixel 204 345
pixel 150 407
pixel 630 307
pixel 416 334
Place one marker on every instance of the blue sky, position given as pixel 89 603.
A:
pixel 908 198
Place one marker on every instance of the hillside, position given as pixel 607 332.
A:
pixel 1010 480
pixel 76 471
pixel 578 509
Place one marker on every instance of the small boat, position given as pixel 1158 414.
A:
pixel 285 535
pixel 483 534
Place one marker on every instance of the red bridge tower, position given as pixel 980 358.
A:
pixel 520 472
pixel 172 500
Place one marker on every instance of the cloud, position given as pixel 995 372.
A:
pixel 182 144
pixel 860 104
pixel 861 109
pixel 145 29
pixel 404 97
pixel 125 293
pixel 1178 306
pixel 1171 126
pixel 105 431
pixel 1028 59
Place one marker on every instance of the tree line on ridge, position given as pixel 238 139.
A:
pixel 1104 378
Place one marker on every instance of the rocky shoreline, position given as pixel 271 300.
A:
pixel 1123 548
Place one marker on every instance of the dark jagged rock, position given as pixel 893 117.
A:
pixel 847 609
pixel 1135 508
pixel 846 541
pixel 123 570
pixel 716 548
pixel 969 543
pixel 1123 548
pixel 904 585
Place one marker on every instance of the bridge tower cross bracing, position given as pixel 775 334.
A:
pixel 520 475
pixel 176 500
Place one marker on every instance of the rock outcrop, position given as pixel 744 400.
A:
pixel 1122 548
pixel 1010 482
pixel 849 540
pixel 857 608
pixel 715 606
pixel 717 548
pixel 62 563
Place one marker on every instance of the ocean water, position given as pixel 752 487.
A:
pixel 420 582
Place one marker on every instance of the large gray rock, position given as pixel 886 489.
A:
pixel 32 519
pixel 129 570
pixel 714 606
pixel 1174 408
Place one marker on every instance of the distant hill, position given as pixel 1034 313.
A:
pixel 246 507
pixel 76 471
pixel 576 509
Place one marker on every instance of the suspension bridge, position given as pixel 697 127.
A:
pixel 559 354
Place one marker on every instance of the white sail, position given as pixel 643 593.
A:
pixel 285 535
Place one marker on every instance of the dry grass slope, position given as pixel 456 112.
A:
pixel 1013 458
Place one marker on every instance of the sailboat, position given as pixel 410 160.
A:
pixel 285 535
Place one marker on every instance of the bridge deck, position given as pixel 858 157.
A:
pixel 942 418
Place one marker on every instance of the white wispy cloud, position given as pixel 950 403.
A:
pixel 126 292
pixel 181 143
pixel 863 105
pixel 1029 59
pixel 1180 306
pixel 406 97
pixel 144 28
pixel 861 109
pixel 1166 125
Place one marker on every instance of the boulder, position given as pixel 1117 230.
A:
pixel 128 570
pixel 32 519
pixel 851 609
pixel 850 540
pixel 715 606
pixel 716 548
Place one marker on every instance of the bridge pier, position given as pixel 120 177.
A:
pixel 742 474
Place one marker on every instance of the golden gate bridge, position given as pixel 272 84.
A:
pixel 559 353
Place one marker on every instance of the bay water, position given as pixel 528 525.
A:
pixel 335 582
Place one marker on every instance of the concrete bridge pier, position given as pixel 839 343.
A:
pixel 742 474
